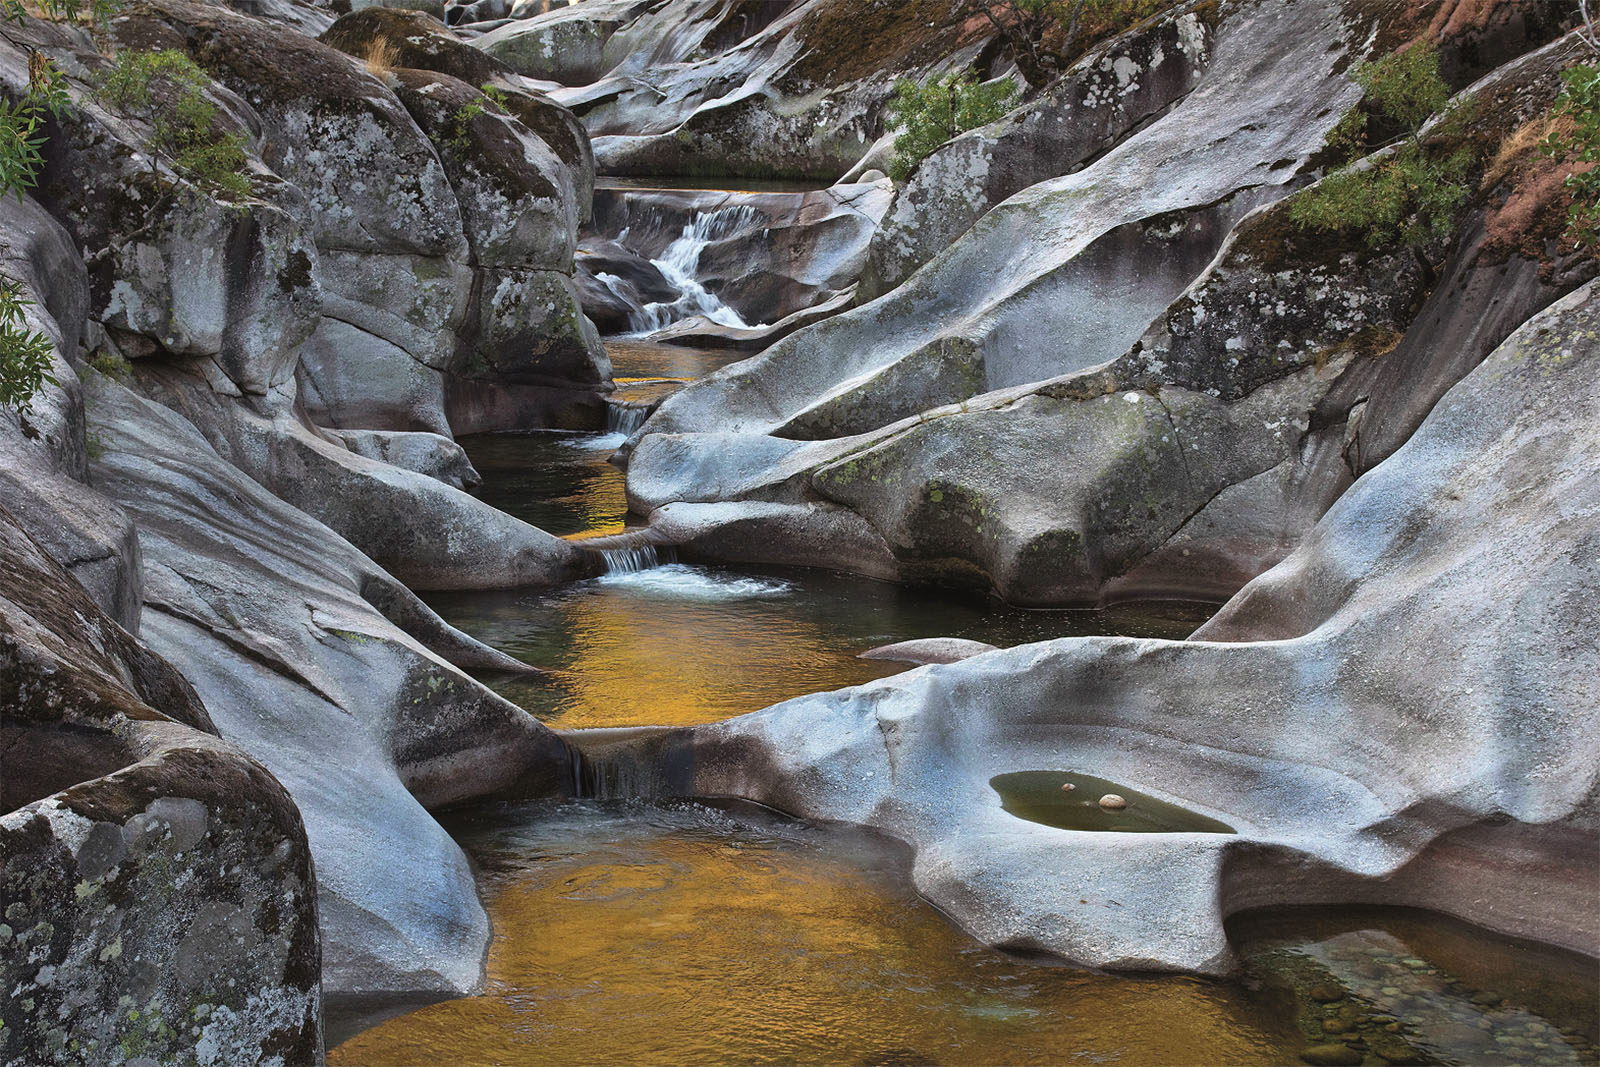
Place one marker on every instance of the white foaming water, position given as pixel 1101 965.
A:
pixel 678 264
pixel 682 582
pixel 625 418
pixel 597 442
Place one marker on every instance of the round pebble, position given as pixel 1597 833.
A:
pixel 1067 787
pixel 1112 802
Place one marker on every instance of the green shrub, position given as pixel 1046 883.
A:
pixel 929 115
pixel 110 365
pixel 1577 141
pixel 1410 193
pixel 25 354
pixel 167 90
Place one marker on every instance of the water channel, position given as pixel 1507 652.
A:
pixel 681 933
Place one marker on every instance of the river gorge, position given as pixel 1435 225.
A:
pixel 589 547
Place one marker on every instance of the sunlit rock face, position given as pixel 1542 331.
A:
pixel 1163 393
pixel 1401 712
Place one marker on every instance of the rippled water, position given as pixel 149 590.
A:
pixel 689 644
pixel 684 935
pixel 686 644
pixel 627 934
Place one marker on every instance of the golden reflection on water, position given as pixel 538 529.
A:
pixel 682 645
pixel 691 937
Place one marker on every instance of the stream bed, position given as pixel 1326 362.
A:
pixel 680 933
pixel 628 933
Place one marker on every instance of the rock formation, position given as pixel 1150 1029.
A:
pixel 252 693
pixel 1163 394
pixel 1400 712
pixel 1084 354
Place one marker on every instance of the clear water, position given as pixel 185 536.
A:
pixel 1071 801
pixel 628 934
pixel 685 644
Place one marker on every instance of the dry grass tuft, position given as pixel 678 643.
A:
pixel 381 58
pixel 1523 143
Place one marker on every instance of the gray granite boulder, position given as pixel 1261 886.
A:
pixel 1182 465
pixel 1401 712
pixel 752 89
pixel 156 888
pixel 1109 247
pixel 1128 81
pixel 340 681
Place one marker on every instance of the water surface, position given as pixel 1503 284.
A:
pixel 681 934
pixel 685 935
pixel 683 644
pixel 1044 797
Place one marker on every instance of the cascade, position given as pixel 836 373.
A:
pixel 624 418
pixel 678 264
pixel 636 558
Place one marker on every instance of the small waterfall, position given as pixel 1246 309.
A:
pixel 630 763
pixel 678 264
pixel 616 779
pixel 631 560
pixel 625 418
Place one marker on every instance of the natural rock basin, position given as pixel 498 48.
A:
pixel 638 934
pixel 1038 796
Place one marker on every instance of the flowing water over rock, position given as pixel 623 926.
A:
pixel 679 263
pixel 661 642
pixel 689 934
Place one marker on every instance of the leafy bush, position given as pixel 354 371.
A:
pixel 929 115
pixel 167 90
pixel 461 130
pixel 1411 193
pixel 1577 141
pixel 24 354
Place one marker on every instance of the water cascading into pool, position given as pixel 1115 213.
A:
pixel 631 560
pixel 679 263
pixel 624 418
